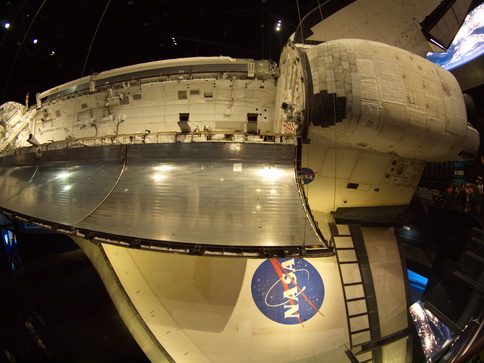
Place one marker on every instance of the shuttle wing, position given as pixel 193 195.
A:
pixel 416 26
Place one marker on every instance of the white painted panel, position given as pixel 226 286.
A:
pixel 339 163
pixel 386 269
pixel 370 168
pixel 202 309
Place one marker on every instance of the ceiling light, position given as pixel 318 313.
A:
pixel 6 25
pixel 35 41
pixel 278 26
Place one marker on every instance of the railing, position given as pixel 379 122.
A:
pixel 157 137
pixel 241 69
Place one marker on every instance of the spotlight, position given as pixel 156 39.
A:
pixel 6 25
pixel 35 41
pixel 279 25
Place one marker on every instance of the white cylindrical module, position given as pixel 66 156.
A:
pixel 375 96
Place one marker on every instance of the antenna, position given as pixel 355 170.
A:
pixel 94 37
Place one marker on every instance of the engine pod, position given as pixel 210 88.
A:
pixel 375 96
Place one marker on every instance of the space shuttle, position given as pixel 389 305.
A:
pixel 242 210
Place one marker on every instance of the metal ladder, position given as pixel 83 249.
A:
pixel 358 289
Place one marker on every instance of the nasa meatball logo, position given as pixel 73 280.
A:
pixel 288 291
pixel 308 175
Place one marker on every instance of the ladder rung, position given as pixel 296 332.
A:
pixel 355 299
pixel 360 345
pixel 357 315
pixel 353 283
pixel 348 262
pixel 359 331
pixel 344 248
pixel 475 256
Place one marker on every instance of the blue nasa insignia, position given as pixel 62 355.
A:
pixel 288 291
pixel 308 175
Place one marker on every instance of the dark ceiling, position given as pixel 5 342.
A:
pixel 77 38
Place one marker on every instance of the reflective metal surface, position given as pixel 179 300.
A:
pixel 15 173
pixel 224 194
pixel 68 184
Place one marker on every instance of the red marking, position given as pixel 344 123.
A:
pixel 279 272
pixel 297 286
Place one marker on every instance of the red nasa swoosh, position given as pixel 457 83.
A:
pixel 309 175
